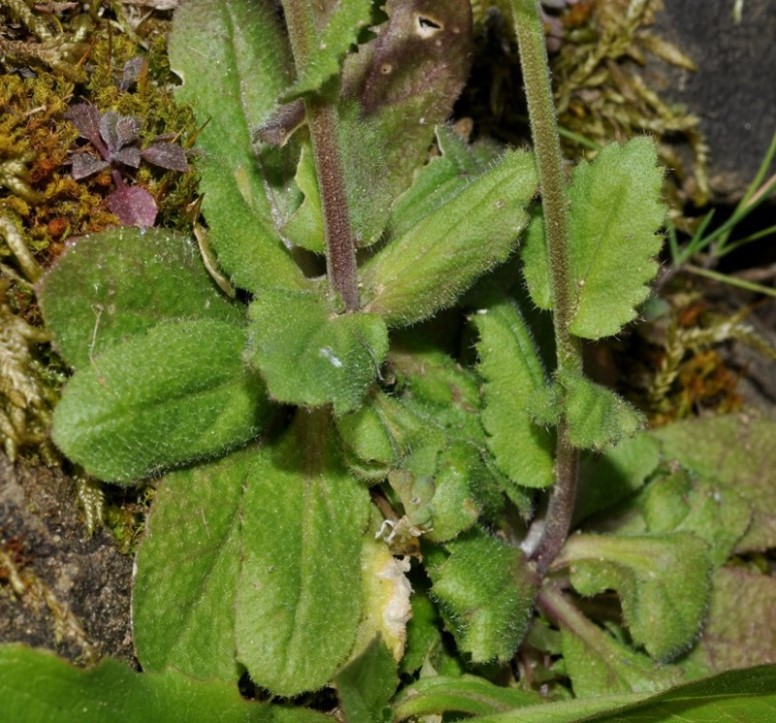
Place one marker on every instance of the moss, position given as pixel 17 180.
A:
pixel 48 63
pixel 601 92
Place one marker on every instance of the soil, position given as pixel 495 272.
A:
pixel 59 589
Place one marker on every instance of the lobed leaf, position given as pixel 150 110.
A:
pixel 296 614
pixel 119 283
pixel 177 393
pixel 595 415
pixel 187 570
pixel 613 222
pixel 663 582
pixel 737 451
pixel 615 214
pixel 234 62
pixel 475 230
pixel 680 502
pixel 514 374
pixel 327 46
pixel 335 357
pixel 486 595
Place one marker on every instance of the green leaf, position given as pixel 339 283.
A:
pixel 615 214
pixel 234 63
pixel 737 451
pixel 367 684
pixel 423 632
pixel 597 662
pixel 664 583
pixel 536 269
pixel 380 431
pixel 303 518
pixel 396 89
pixel 740 630
pixel 438 259
pixel 513 373
pixel 442 178
pixel 179 392
pixel 680 502
pixel 595 415
pixel 462 694
pixel 608 478
pixel 187 570
pixel 335 357
pixel 328 46
pixel 121 282
pixel 745 695
pixel 485 594
pixel 36 685
pixel 305 227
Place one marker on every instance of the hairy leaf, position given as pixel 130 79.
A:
pixel 36 685
pixel 461 694
pixel 305 227
pixel 663 582
pixel 461 239
pixel 741 627
pixel 121 282
pixel 595 415
pixel 296 614
pixel 513 374
pixel 438 181
pixel 598 664
pixel 680 502
pixel 234 63
pixel 423 632
pixel 485 594
pixel 326 47
pixel 187 570
pixel 335 358
pixel 616 212
pixel 367 684
pixel 178 393
pixel 607 478
pixel 536 268
pixel 743 695
pixel 737 451
pixel 396 88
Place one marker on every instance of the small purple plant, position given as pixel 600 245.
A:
pixel 115 138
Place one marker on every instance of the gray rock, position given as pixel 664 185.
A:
pixel 734 90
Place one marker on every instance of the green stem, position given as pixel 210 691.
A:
pixel 552 184
pixel 322 121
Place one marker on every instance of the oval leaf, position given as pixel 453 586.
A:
pixel 298 603
pixel 176 394
pixel 109 286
